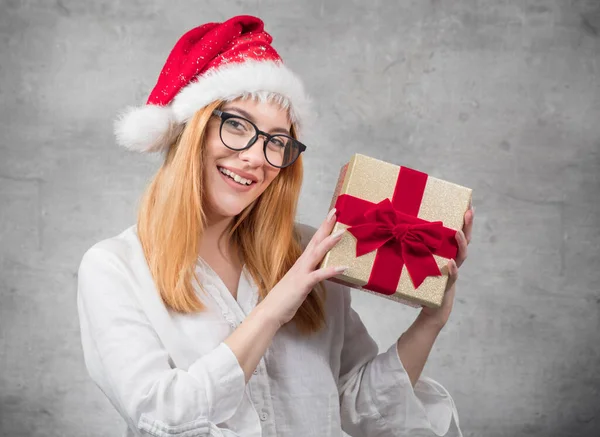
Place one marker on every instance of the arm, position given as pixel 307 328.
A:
pixel 377 397
pixel 384 395
pixel 250 341
pixel 416 343
pixel 280 305
pixel 127 361
pixel 125 356
pixel 414 346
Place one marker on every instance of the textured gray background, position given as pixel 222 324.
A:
pixel 501 96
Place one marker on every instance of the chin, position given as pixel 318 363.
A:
pixel 228 210
pixel 232 212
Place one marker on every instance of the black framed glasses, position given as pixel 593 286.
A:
pixel 238 133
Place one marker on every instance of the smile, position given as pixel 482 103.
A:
pixel 237 178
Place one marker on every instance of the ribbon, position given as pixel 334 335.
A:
pixel 392 228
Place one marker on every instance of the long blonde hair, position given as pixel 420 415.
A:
pixel 171 224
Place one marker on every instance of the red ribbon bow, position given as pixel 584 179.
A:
pixel 414 240
pixel 400 238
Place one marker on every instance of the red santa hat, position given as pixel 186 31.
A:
pixel 214 61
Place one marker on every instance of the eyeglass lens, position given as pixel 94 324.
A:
pixel 238 133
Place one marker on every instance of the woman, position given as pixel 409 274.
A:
pixel 162 304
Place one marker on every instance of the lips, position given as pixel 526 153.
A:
pixel 241 173
pixel 237 178
pixel 240 177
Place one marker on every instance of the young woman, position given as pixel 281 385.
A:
pixel 210 316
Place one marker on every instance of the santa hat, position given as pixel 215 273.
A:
pixel 214 61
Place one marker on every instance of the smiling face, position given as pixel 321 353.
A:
pixel 227 172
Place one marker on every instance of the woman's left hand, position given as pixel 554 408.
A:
pixel 439 316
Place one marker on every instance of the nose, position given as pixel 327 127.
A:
pixel 255 155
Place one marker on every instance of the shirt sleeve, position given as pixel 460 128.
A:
pixel 126 359
pixel 376 395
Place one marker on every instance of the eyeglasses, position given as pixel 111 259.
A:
pixel 238 133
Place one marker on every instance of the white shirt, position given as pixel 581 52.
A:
pixel 170 374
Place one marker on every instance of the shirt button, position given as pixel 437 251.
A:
pixel 264 416
pixel 255 371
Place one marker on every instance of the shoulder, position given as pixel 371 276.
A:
pixel 113 274
pixel 117 251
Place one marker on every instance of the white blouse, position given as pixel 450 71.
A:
pixel 170 374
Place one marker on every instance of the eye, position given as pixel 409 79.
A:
pixel 277 143
pixel 234 124
pixel 237 126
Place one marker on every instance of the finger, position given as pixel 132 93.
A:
pixel 323 231
pixel 449 296
pixel 452 274
pixel 325 273
pixel 461 256
pixel 319 252
pixel 468 226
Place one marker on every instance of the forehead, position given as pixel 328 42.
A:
pixel 264 106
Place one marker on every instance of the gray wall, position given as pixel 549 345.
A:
pixel 500 96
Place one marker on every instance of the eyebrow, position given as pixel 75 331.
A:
pixel 253 120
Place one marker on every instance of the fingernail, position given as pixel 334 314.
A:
pixel 459 235
pixel 341 269
pixel 331 214
pixel 338 234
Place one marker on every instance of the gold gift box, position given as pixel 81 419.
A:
pixel 374 180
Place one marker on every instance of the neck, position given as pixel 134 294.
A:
pixel 214 244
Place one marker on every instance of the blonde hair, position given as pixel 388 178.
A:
pixel 171 224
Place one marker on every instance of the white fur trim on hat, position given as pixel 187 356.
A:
pixel 152 128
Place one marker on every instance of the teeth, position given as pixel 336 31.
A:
pixel 235 177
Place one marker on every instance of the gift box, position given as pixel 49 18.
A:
pixel 401 226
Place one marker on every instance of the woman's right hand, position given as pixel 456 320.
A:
pixel 290 292
pixel 252 338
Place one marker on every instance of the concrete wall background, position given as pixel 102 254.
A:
pixel 501 96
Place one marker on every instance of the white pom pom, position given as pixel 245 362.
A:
pixel 148 128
